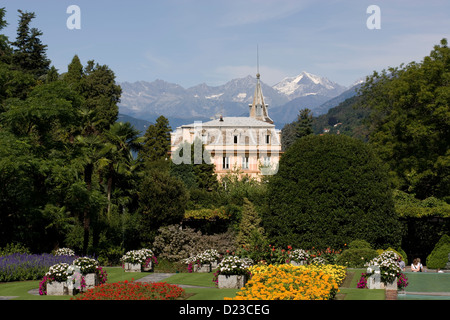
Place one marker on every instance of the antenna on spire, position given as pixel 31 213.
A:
pixel 257 60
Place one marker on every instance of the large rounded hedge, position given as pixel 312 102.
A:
pixel 330 190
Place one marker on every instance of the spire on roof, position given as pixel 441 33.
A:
pixel 258 109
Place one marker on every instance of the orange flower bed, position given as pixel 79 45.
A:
pixel 132 291
pixel 286 282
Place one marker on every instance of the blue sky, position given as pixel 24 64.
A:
pixel 190 42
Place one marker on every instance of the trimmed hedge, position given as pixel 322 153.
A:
pixel 356 258
pixel 328 191
pixel 438 258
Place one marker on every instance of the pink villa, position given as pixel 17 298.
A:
pixel 248 145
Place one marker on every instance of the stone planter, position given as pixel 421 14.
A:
pixel 231 281
pixel 132 267
pixel 389 286
pixel 148 268
pixel 206 267
pixel 56 288
pixel 301 263
pixel 91 280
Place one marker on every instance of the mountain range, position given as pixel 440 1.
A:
pixel 148 100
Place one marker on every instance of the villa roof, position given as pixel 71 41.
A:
pixel 233 122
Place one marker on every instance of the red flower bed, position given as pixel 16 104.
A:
pixel 125 290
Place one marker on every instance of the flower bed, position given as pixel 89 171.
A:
pixel 21 266
pixel 287 282
pixel 132 291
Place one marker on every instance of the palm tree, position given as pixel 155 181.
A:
pixel 90 155
pixel 121 141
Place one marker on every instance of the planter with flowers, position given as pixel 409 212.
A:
pixel 203 262
pixel 89 269
pixel 55 282
pixel 65 279
pixel 64 252
pixel 298 257
pixel 232 272
pixel 385 269
pixel 138 260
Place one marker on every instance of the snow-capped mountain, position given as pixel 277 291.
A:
pixel 308 84
pixel 149 100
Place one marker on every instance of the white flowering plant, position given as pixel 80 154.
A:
pixel 137 256
pixel 64 252
pixel 299 255
pixel 86 265
pixel 59 272
pixel 318 261
pixel 389 268
pixel 234 265
pixel 207 256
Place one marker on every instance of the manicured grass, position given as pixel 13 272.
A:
pixel 201 280
pixel 428 282
pixel 349 291
pixel 192 279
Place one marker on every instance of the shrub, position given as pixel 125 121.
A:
pixel 439 257
pixel 356 258
pixel 359 244
pixel 11 248
pixel 175 243
pixel 328 190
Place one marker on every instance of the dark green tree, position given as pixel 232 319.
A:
pixel 251 233
pixel 5 48
pixel 330 190
pixel 156 144
pixel 410 126
pixel 305 120
pixel 74 74
pixel 196 169
pixel 29 52
pixel 162 201
pixel 101 94
pixel 121 140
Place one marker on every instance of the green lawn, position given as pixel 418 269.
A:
pixel 206 290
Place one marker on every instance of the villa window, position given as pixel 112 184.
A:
pixel 225 163
pixel 244 162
